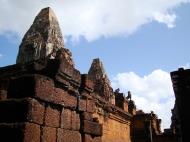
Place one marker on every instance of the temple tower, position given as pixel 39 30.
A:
pixel 43 39
pixel 98 75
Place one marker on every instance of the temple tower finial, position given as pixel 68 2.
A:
pixel 42 40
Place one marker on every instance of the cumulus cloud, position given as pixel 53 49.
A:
pixel 152 92
pixel 90 19
pixel 168 19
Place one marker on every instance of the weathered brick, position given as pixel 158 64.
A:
pixel 89 138
pixel 70 120
pixel 76 76
pixel 31 133
pixel 90 106
pixel 75 121
pixel 52 116
pixel 66 119
pixel 58 96
pixel 92 128
pixel 68 136
pixel 44 88
pixel 36 113
pixel 97 139
pixel 86 84
pixel 41 87
pixel 82 105
pixel 48 134
pixel 87 116
pixel 62 97
pixel 20 132
pixel 21 111
pixel 68 74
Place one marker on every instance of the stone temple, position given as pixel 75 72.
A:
pixel 44 98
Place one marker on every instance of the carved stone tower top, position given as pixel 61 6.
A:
pixel 43 39
pixel 97 70
pixel 98 76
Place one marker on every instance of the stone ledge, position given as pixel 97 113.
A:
pixel 40 87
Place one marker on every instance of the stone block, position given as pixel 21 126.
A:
pixel 87 116
pixel 76 76
pixel 48 134
pixel 31 86
pixel 89 138
pixel 68 100
pixel 20 132
pixel 68 74
pixel 90 106
pixel 52 116
pixel 44 88
pixel 66 118
pixel 36 111
pixel 21 111
pixel 86 83
pixel 75 121
pixel 31 133
pixel 82 105
pixel 97 139
pixel 40 87
pixel 68 136
pixel 92 128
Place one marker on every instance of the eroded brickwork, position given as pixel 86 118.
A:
pixel 43 98
pixel 51 109
pixel 102 85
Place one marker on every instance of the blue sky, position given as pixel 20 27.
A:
pixel 138 49
pixel 153 46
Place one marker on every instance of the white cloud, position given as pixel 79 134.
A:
pixel 90 19
pixel 168 19
pixel 150 92
pixel 1 55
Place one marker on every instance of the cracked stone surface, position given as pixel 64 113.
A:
pixel 102 85
pixel 43 39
